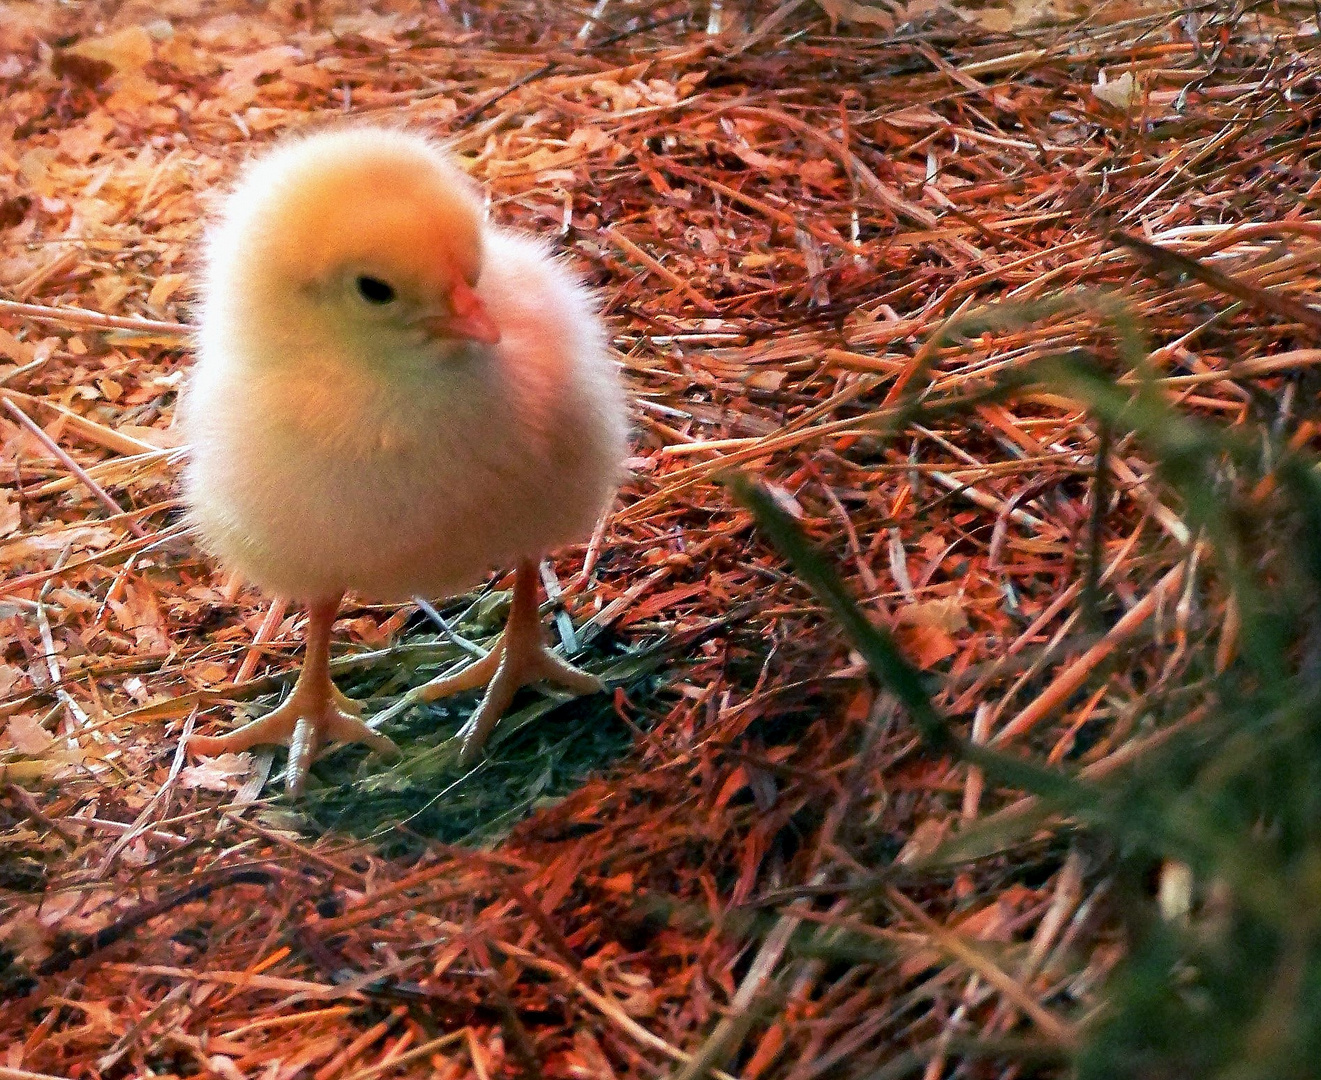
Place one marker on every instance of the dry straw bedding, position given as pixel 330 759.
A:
pixel 778 215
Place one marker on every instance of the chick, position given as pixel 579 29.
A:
pixel 391 396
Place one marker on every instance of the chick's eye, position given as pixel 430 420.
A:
pixel 374 290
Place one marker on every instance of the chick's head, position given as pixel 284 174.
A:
pixel 365 244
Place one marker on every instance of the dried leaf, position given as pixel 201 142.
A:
pixel 124 50
pixel 223 773
pixel 848 11
pixel 140 614
pixel 924 840
pixel 927 645
pixel 946 615
pixel 10 516
pixel 166 286
pixel 28 736
pixel 1120 93
pixel 9 677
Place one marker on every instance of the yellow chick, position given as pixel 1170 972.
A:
pixel 391 396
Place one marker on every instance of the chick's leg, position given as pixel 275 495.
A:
pixel 315 713
pixel 519 658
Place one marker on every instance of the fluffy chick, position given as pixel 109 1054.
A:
pixel 391 396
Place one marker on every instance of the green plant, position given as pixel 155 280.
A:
pixel 1234 989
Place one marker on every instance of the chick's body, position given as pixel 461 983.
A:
pixel 390 395
pixel 317 470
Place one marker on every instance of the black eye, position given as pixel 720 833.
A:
pixel 374 290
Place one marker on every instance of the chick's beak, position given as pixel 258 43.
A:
pixel 468 318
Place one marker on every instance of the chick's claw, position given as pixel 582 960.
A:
pixel 345 703
pixel 313 730
pixel 520 663
pixel 305 724
pixel 518 659
pixel 478 673
pixel 315 714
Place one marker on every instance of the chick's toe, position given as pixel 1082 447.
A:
pixel 306 722
pixel 315 714
pixel 519 658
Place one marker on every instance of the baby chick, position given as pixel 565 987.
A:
pixel 391 396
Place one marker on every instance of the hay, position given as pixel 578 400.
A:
pixel 784 219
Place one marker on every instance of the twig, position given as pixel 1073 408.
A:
pixel 58 451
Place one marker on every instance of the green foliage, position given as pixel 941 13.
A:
pixel 1233 991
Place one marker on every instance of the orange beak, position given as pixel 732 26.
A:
pixel 468 318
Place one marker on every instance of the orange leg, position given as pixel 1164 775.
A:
pixel 519 658
pixel 315 713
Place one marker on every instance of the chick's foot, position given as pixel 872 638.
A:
pixel 316 713
pixel 519 658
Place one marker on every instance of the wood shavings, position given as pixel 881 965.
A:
pixel 781 215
